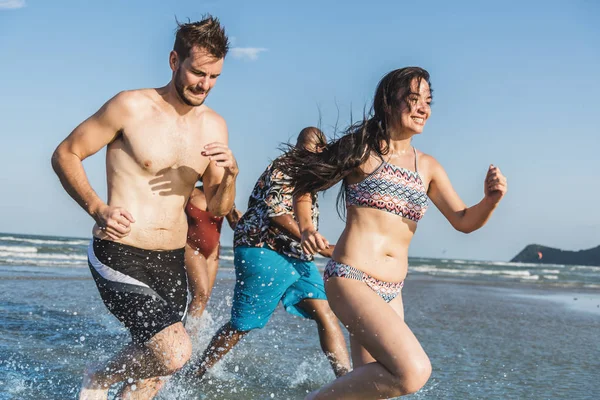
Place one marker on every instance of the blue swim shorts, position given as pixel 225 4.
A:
pixel 265 277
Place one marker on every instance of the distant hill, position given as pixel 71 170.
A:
pixel 535 253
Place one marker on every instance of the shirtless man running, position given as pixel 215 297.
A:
pixel 159 143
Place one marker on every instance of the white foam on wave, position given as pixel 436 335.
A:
pixel 306 372
pixel 44 241
pixel 585 268
pixel 517 264
pixel 412 260
pixel 530 278
pixel 484 264
pixel 591 286
pixel 16 386
pixel 44 263
pixel 471 271
pixel 227 249
pixel 19 249
pixel 549 271
pixel 43 256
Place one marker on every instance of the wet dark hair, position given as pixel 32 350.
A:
pixel 207 33
pixel 313 172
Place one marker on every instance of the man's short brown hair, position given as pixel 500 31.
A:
pixel 208 34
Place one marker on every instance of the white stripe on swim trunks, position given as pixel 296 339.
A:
pixel 107 272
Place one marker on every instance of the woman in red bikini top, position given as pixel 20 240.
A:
pixel 202 248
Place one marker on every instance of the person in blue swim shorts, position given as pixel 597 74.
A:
pixel 271 267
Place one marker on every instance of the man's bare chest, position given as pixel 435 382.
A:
pixel 160 147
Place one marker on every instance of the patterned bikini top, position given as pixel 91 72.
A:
pixel 391 188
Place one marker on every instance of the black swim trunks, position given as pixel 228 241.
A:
pixel 145 289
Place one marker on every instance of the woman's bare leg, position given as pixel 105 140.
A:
pixel 401 365
pixel 202 273
pixel 360 356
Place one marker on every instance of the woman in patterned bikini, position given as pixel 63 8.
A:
pixel 386 186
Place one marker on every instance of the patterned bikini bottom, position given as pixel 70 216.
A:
pixel 386 290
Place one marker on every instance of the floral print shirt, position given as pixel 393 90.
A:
pixel 271 197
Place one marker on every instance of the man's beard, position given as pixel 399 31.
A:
pixel 181 91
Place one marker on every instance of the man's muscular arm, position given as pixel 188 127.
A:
pixel 88 138
pixel 221 173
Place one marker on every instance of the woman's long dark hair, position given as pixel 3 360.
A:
pixel 314 172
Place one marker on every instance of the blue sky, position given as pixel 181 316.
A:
pixel 516 84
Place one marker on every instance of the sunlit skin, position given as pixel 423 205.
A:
pixel 388 359
pixel 201 270
pixel 330 335
pixel 391 234
pixel 159 143
pixel 414 113
pixel 195 76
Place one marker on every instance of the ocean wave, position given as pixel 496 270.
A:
pixel 591 286
pixel 470 271
pixel 585 268
pixel 21 249
pixel 54 256
pixel 527 278
pixel 44 263
pixel 58 252
pixel 75 242
pixel 514 264
pixel 549 271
